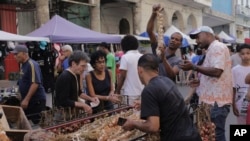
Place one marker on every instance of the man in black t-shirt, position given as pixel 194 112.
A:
pixel 162 106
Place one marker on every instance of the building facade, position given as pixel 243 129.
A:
pixel 242 19
pixel 131 16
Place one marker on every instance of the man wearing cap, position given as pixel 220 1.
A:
pixel 215 81
pixel 169 61
pixel 110 63
pixel 30 84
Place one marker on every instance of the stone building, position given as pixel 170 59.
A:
pixel 130 16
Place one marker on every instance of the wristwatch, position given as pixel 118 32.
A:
pixel 195 68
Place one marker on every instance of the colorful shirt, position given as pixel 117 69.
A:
pixel 112 65
pixel 213 89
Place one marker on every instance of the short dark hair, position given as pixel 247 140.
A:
pixel 148 62
pixel 78 56
pixel 243 46
pixel 95 56
pixel 129 42
pixel 179 34
pixel 105 45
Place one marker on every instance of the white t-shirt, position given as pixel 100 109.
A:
pixel 239 73
pixel 132 85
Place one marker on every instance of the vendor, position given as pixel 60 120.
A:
pixel 162 106
pixel 33 98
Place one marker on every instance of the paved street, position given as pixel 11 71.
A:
pixel 230 120
pixel 184 90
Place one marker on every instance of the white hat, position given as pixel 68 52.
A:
pixel 207 29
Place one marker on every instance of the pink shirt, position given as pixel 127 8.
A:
pixel 213 89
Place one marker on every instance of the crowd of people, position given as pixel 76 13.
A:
pixel 148 81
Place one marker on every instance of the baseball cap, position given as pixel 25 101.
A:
pixel 201 29
pixel 20 48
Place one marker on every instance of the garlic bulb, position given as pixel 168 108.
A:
pixel 160 31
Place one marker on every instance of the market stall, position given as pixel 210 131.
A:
pixel 102 127
pixel 60 30
pixel 6 36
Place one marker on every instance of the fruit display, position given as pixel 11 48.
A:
pixel 160 30
pixel 99 127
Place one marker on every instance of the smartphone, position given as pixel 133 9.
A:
pixel 121 121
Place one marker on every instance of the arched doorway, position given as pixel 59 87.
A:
pixel 191 23
pixel 124 27
pixel 177 20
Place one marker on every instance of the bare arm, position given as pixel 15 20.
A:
pixel 152 125
pixel 247 79
pixel 122 77
pixel 235 109
pixel 171 71
pixel 31 91
pixel 213 72
pixel 209 71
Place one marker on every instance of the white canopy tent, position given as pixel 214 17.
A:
pixel 225 36
pixel 172 29
pixel 6 36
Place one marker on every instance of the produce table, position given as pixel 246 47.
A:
pixel 101 127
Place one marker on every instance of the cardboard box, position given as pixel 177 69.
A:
pixel 14 122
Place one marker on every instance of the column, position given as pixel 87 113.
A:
pixel 42 12
pixel 95 18
pixel 137 18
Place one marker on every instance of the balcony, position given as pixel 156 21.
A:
pixel 199 4
pixel 243 11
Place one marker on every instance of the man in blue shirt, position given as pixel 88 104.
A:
pixel 30 84
pixel 64 60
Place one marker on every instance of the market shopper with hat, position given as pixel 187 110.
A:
pixel 33 98
pixel 215 82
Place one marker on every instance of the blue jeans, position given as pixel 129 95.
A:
pixel 218 117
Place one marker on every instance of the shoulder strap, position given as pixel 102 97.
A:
pixel 200 62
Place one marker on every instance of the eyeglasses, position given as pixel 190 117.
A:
pixel 100 62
